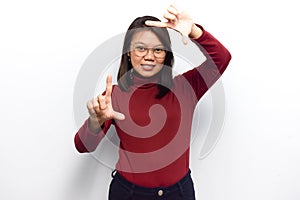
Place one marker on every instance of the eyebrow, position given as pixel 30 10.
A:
pixel 158 45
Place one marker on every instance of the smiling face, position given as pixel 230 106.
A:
pixel 147 53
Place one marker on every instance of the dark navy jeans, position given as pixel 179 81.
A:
pixel 121 189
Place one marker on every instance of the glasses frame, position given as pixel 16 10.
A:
pixel 145 51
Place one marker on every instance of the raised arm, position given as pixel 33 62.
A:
pixel 204 76
pixel 217 56
pixel 101 116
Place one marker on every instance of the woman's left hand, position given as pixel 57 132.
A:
pixel 179 21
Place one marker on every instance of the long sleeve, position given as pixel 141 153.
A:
pixel 217 56
pixel 86 141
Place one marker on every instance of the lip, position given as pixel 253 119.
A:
pixel 147 67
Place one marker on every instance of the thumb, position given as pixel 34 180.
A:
pixel 185 39
pixel 118 116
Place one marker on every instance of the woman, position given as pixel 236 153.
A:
pixel 152 111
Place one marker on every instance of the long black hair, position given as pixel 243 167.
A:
pixel 166 79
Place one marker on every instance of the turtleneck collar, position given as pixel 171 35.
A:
pixel 144 82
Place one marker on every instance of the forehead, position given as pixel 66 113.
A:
pixel 145 37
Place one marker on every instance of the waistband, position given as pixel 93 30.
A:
pixel 157 191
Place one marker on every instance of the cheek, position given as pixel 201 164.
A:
pixel 159 67
pixel 135 61
pixel 161 61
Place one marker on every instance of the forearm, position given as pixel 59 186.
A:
pixel 201 78
pixel 212 49
pixel 87 141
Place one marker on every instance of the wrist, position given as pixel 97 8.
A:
pixel 94 125
pixel 196 32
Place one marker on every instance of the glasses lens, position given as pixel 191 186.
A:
pixel 159 52
pixel 140 51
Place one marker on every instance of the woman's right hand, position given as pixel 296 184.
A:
pixel 100 108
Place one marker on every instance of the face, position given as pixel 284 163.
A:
pixel 147 53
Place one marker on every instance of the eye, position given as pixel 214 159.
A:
pixel 140 48
pixel 158 50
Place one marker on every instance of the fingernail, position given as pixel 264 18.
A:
pixel 149 23
pixel 185 40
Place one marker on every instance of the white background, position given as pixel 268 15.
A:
pixel 43 45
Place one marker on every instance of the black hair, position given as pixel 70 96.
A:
pixel 166 78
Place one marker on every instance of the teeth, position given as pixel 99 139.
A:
pixel 148 67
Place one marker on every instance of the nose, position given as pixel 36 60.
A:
pixel 149 55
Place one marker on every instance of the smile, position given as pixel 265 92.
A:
pixel 147 67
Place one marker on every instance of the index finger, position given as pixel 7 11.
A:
pixel 156 24
pixel 173 10
pixel 108 86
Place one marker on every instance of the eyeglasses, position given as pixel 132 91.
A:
pixel 141 51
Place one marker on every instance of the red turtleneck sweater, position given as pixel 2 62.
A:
pixel 155 136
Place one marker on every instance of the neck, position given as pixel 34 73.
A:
pixel 141 81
